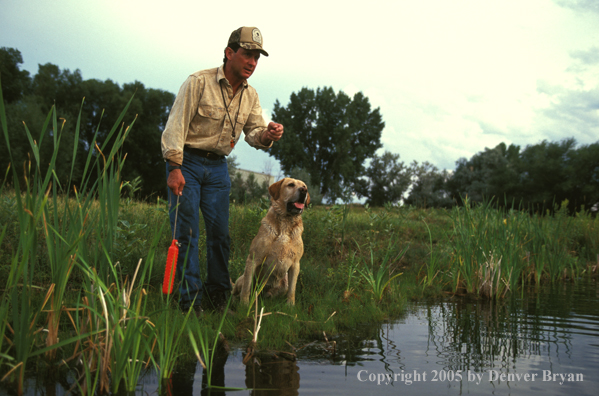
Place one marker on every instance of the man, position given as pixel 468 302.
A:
pixel 211 110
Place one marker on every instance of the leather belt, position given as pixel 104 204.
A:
pixel 203 153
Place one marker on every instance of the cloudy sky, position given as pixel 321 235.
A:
pixel 450 77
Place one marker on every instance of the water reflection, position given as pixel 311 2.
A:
pixel 269 374
pixel 526 345
pixel 543 341
pixel 264 374
pixel 477 335
pixel 183 380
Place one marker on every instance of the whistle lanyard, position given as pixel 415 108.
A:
pixel 229 115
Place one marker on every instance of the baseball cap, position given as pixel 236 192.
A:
pixel 249 38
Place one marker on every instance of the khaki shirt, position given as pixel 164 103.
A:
pixel 198 118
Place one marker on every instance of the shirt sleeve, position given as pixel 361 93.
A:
pixel 255 126
pixel 182 112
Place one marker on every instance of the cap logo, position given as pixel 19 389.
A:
pixel 256 36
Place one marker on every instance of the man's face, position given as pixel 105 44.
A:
pixel 243 62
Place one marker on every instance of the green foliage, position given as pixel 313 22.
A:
pixel 326 224
pixel 247 190
pixel 494 172
pixel 506 248
pixel 63 90
pixel 232 165
pixel 15 82
pixel 433 267
pixel 38 207
pixel 535 178
pixel 385 181
pixel 330 136
pixel 201 341
pixel 352 266
pixel 379 280
pixel 428 187
pixel 244 190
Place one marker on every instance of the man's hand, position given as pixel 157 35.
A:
pixel 176 182
pixel 273 133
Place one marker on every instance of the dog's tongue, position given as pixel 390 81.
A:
pixel 299 205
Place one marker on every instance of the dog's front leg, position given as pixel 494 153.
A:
pixel 293 274
pixel 248 276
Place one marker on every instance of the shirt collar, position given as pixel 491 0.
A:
pixel 220 75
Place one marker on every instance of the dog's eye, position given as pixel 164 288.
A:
pixel 291 185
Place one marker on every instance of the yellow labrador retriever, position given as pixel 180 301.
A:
pixel 277 249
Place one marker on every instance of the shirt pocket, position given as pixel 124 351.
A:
pixel 207 123
pixel 210 112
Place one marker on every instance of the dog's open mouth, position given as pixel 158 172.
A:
pixel 295 207
pixel 298 206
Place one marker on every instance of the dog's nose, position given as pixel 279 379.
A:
pixel 303 189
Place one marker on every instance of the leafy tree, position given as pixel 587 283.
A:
pixel 330 136
pixel 244 190
pixel 536 178
pixel 61 88
pixel 103 104
pixel 583 180
pixel 428 187
pixel 386 180
pixel 490 173
pixel 15 82
pixel 551 172
pixel 544 176
pixel 144 158
pixel 16 112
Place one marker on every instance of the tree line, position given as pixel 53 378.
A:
pixel 331 142
pixel 535 178
pixel 28 101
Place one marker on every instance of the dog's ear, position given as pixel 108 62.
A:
pixel 275 189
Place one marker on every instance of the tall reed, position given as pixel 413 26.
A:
pixel 433 267
pixel 66 234
pixel 4 305
pixel 509 247
pixel 19 289
pixel 205 344
pixel 169 333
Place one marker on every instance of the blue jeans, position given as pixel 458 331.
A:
pixel 207 186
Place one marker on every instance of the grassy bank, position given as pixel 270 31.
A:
pixel 82 269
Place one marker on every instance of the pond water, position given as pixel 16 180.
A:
pixel 537 343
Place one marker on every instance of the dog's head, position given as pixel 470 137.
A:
pixel 289 195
